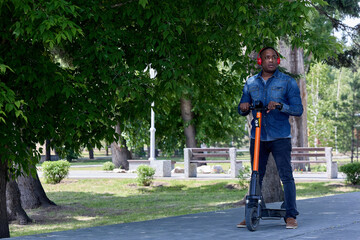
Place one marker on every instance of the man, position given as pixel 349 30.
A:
pixel 273 88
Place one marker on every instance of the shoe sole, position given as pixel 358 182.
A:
pixel 295 227
pixel 241 226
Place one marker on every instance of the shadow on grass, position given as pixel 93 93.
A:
pixel 79 209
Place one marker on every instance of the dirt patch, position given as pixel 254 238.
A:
pixel 68 181
pixel 159 184
pixel 233 186
pixel 153 185
pixel 66 213
pixel 132 185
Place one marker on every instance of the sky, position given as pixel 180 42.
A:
pixel 352 22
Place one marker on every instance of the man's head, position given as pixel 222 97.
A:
pixel 269 59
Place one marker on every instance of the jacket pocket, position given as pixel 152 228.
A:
pixel 254 92
pixel 276 92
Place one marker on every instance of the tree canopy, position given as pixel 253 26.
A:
pixel 106 46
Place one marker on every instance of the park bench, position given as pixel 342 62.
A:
pixel 324 153
pixel 321 155
pixel 192 157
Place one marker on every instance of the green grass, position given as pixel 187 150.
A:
pixel 95 202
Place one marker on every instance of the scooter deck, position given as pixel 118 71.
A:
pixel 273 213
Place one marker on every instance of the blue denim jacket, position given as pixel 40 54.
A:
pixel 279 88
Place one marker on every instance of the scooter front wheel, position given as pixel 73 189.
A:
pixel 251 218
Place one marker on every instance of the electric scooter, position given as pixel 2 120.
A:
pixel 255 207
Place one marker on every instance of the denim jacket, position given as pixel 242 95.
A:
pixel 279 88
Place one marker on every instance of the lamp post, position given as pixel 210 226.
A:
pixel 152 134
pixel 152 127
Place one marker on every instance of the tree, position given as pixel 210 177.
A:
pixel 13 204
pixel 347 108
pixel 61 109
pixel 332 119
pixel 320 88
pixel 220 39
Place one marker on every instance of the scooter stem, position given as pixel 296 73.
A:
pixel 257 141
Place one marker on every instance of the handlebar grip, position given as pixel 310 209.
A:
pixel 252 107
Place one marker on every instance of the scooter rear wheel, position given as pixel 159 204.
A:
pixel 251 218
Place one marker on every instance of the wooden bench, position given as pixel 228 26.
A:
pixel 323 152
pixel 192 156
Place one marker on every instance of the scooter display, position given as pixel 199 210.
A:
pixel 255 207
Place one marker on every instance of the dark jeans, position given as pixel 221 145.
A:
pixel 281 151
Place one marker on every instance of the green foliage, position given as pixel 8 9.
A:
pixel 318 168
pixel 86 62
pixel 55 171
pixel 320 97
pixel 108 166
pixel 244 174
pixel 333 101
pixel 139 152
pixel 68 153
pixel 352 171
pixel 145 175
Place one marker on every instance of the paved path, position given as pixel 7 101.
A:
pixel 333 217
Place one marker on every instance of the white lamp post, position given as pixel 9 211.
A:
pixel 152 128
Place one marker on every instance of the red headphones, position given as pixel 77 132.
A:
pixel 259 58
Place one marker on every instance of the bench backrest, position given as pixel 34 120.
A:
pixel 311 152
pixel 210 152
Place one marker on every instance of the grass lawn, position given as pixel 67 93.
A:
pixel 94 202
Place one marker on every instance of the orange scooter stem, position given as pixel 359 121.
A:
pixel 257 141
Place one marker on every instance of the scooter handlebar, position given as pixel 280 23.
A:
pixel 258 105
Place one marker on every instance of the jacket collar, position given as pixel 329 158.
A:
pixel 276 74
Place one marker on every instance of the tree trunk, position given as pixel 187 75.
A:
pixel 107 149
pixel 32 193
pixel 91 153
pixel 294 63
pixel 189 127
pixel 48 150
pixel 120 154
pixel 271 188
pixel 188 116
pixel 14 209
pixel 4 224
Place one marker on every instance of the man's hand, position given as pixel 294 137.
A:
pixel 244 107
pixel 272 105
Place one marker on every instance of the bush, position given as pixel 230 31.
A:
pixel 244 174
pixel 108 166
pixel 318 168
pixel 352 171
pixel 145 175
pixel 55 171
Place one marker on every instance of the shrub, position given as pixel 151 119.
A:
pixel 352 171
pixel 55 171
pixel 244 173
pixel 145 175
pixel 108 166
pixel 318 168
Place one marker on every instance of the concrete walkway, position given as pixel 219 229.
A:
pixel 333 217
